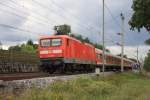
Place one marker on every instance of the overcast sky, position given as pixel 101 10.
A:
pixel 29 19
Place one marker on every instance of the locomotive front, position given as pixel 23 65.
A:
pixel 51 52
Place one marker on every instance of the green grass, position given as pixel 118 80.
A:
pixel 126 86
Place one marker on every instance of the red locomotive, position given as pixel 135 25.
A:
pixel 64 53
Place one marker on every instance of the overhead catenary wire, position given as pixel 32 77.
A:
pixel 37 18
pixel 115 20
pixel 42 20
pixel 43 6
pixel 73 15
pixel 47 8
pixel 19 29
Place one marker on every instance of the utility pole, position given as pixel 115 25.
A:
pixel 137 55
pixel 103 38
pixel 138 64
pixel 122 42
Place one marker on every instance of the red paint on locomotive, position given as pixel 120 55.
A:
pixel 69 49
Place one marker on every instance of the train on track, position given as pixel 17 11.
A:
pixel 62 53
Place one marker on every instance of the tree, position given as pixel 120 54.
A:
pixel 147 42
pixel 1 45
pixel 62 29
pixel 78 37
pixel 30 42
pixel 14 48
pixel 141 15
pixel 125 56
pixel 147 62
pixel 27 48
pixel 98 46
pixel 107 50
pixel 87 40
pixel 140 19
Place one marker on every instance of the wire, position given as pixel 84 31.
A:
pixel 20 29
pixel 46 19
pixel 112 15
pixel 40 14
pixel 17 14
pixel 45 7
pixel 73 15
pixel 12 13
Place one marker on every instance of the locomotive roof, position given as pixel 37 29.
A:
pixel 65 36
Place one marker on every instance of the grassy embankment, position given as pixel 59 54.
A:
pixel 126 86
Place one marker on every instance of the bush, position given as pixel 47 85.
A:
pixel 126 86
pixel 147 62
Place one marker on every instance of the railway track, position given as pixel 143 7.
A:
pixel 20 76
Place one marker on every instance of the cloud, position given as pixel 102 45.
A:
pixel 131 51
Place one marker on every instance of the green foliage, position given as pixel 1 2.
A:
pixel 141 15
pixel 1 45
pixel 30 42
pixel 126 86
pixel 147 42
pixel 62 29
pixel 29 47
pixel 98 46
pixel 87 40
pixel 78 37
pixel 125 56
pixel 147 62
pixel 15 48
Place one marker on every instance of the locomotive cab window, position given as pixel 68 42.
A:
pixel 45 42
pixel 56 42
pixel 50 42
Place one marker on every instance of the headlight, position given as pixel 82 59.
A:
pixel 56 51
pixel 44 52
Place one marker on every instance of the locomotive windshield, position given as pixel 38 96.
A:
pixel 50 42
pixel 56 42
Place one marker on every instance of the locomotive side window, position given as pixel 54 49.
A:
pixel 97 55
pixel 56 42
pixel 67 42
pixel 45 42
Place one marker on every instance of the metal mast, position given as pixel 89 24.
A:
pixel 103 37
pixel 122 42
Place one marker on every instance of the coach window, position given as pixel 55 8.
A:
pixel 56 42
pixel 101 56
pixel 97 55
